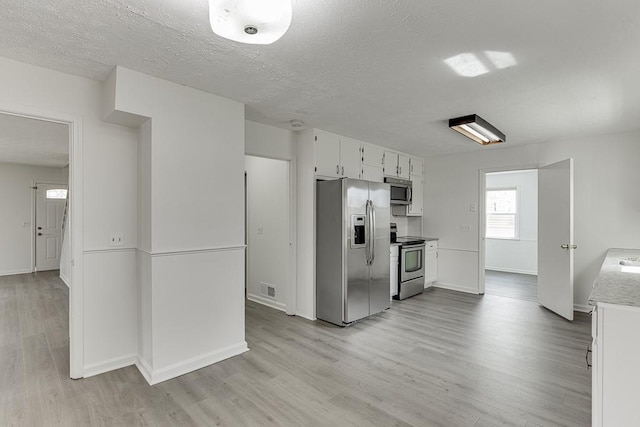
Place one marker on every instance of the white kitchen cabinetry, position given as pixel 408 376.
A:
pixel 417 196
pixel 336 156
pixel 350 157
pixel 430 263
pixel 396 165
pixel 416 166
pixel 616 371
pixel 372 163
pixel 394 265
pixel 327 154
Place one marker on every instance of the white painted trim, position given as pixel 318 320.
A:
pixel 14 272
pixel 582 308
pixel 618 306
pixel 195 363
pixel 512 270
pixel 106 251
pixel 109 365
pixel 144 369
pixel 313 319
pixel 267 301
pixel 458 250
pixel 452 287
pixel 194 251
pixel 75 217
pixel 65 279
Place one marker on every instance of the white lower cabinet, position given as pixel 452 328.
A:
pixel 394 264
pixel 615 360
pixel 430 263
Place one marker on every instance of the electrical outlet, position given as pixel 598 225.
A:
pixel 465 227
pixel 26 223
pixel 116 239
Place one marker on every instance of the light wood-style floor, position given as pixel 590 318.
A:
pixel 511 285
pixel 442 358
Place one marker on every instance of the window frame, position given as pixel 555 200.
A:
pixel 516 215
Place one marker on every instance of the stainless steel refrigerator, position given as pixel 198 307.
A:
pixel 352 249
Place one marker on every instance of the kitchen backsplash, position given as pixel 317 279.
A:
pixel 408 225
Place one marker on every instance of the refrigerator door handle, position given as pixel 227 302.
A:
pixel 372 234
pixel 368 232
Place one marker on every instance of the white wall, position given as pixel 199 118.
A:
pixel 109 157
pixel 519 255
pixel 191 254
pixel 16 239
pixel 268 141
pixel 268 230
pixel 606 206
pixel 275 143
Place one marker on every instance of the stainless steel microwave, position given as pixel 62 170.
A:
pixel 400 191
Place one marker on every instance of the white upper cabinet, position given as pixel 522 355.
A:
pixel 337 156
pixel 372 173
pixel 390 164
pixel 372 155
pixel 417 196
pixel 350 157
pixel 372 163
pixel 403 166
pixel 416 166
pixel 327 147
pixel 396 165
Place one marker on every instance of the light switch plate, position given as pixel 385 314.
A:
pixel 260 229
pixel 473 207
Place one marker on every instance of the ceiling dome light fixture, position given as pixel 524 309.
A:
pixel 250 21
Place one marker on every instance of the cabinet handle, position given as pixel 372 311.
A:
pixel 337 169
pixel 343 170
pixel 586 357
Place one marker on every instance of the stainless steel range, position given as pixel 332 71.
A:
pixel 411 265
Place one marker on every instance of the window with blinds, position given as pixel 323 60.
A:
pixel 502 213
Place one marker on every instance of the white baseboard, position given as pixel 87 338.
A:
pixel 512 270
pixel 109 365
pixel 64 279
pixel 313 319
pixel 267 301
pixel 582 308
pixel 190 365
pixel 452 287
pixel 14 272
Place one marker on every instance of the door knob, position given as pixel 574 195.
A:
pixel 565 246
pixel 39 234
pixel 39 228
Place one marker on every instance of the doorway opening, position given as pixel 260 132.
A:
pixel 511 234
pixel 269 233
pixel 35 242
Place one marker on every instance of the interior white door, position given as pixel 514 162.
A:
pixel 50 202
pixel 555 237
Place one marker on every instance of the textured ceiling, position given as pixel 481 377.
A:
pixel 369 69
pixel 33 142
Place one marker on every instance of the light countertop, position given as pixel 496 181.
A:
pixel 615 286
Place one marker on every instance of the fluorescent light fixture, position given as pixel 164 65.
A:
pixel 478 129
pixel 250 21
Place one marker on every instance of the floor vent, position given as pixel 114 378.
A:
pixel 268 290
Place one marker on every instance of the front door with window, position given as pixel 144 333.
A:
pixel 50 204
